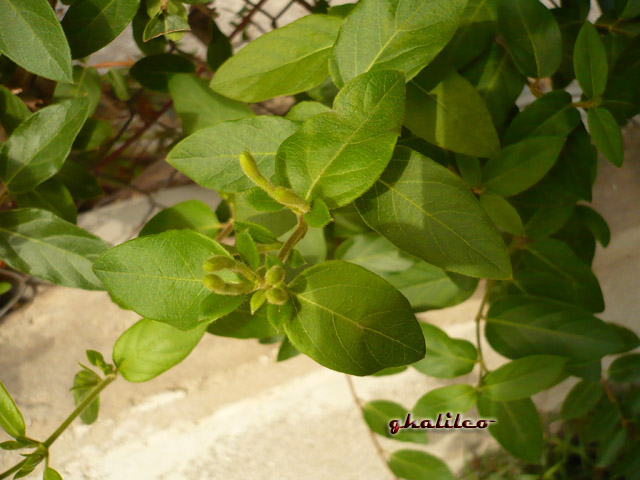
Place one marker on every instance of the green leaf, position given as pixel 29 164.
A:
pixel 260 200
pixel 595 223
pixel 532 36
pixel 241 324
pixel 51 195
pixel 83 384
pixel 610 447
pixel 164 24
pixel 13 111
pixel 286 351
pixel 502 213
pixel 5 287
pixel 518 326
pixel 191 214
pixel 446 357
pixel 199 106
pixel 590 62
pixel 93 134
pixel 517 429
pixel 521 165
pixel 582 398
pixel 219 48
pixel 302 111
pixel 319 216
pixel 160 277
pixel 417 465
pixel 497 80
pixel 470 170
pixel 210 156
pixel 549 268
pixel 155 71
pixel 119 84
pixel 39 146
pixel 149 348
pixel 403 35
pixel 86 83
pixel 452 398
pixel 630 341
pixel 11 419
pixel 32 37
pixel 451 115
pixel 576 167
pixel 41 244
pixel 76 177
pixel 92 24
pixel 374 253
pixel 286 61
pixel 51 474
pixel 247 249
pixel 625 368
pixel 427 211
pixel 606 134
pixel 139 23
pixel 379 413
pixel 338 155
pixel 361 337
pixel 523 377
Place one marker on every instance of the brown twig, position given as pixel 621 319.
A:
pixel 247 18
pixel 128 63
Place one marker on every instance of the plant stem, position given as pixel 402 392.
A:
pixel 533 86
pixel 297 235
pixel 4 191
pixel 245 21
pixel 381 453
pixel 13 469
pixel 485 298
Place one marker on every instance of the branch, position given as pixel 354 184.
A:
pixel 247 18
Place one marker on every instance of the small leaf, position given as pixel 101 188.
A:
pixel 13 110
pixel 502 213
pixel 417 465
pixel 337 156
pixel 517 428
pixel 93 134
pixel 41 244
pixel 450 399
pixel 155 71
pixel 610 447
pixel 582 398
pixel 590 62
pixel 379 413
pixel 285 61
pixel 83 384
pixel 522 378
pixel 160 277
pixel 92 24
pixel 219 48
pixel 199 106
pixel 210 156
pixel 319 216
pixel 164 24
pixel 149 348
pixel 51 195
pixel 360 338
pixel 606 135
pixel 286 351
pixel 451 115
pixel 242 324
pixel 595 223
pixel 11 419
pixel 625 368
pixel 470 170
pixel 427 211
pixel 446 357
pixel 191 214
pixel 39 146
pixel 532 36
pixel 33 38
pixel 51 474
pixel 119 84
pixel 247 249
pixel 402 35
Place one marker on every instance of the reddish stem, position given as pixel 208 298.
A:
pixel 245 21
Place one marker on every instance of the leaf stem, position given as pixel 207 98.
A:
pixel 485 298
pixel 533 87
pixel 4 191
pixel 13 469
pixel 297 235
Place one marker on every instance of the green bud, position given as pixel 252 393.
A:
pixel 289 198
pixel 219 262
pixel 214 283
pixel 275 275
pixel 277 296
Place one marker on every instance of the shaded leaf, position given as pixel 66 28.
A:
pixel 191 214
pixel 606 134
pixel 13 111
pixel 379 413
pixel 582 398
pixel 450 399
pixel 154 71
pixel 590 62
pixel 625 368
pixel 446 357
pixel 418 465
pixel 11 419
pixel 51 195
pixel 502 213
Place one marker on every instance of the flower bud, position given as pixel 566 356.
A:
pixel 289 198
pixel 277 296
pixel 275 275
pixel 215 284
pixel 219 262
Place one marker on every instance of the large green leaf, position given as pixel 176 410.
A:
pixel 523 377
pixel 427 211
pixel 532 36
pixel 199 106
pixel 191 214
pixel 93 24
pixel 39 146
pixel 160 277
pixel 11 419
pixel 41 244
pixel 285 61
pixel 51 195
pixel 517 428
pixel 403 35
pixel 210 156
pixel 452 398
pixel 606 135
pixel 337 156
pixel 349 319
pixel 549 268
pixel 582 398
pixel 379 413
pixel 13 111
pixel 149 348
pixel 32 37
pixel 418 465
pixel 590 62
pixel 155 71
pixel 451 115
pixel 446 357
pixel 519 326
